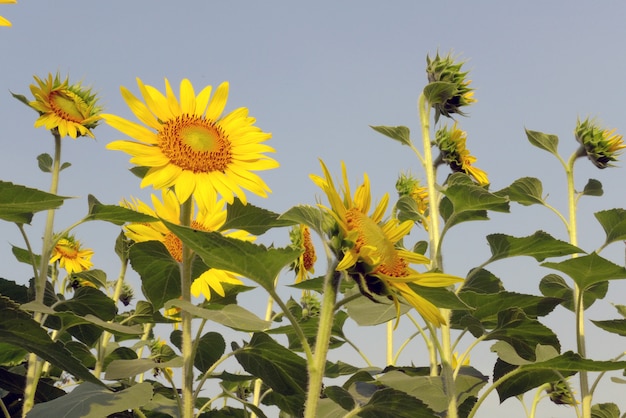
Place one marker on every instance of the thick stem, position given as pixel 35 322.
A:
pixel 317 366
pixel 186 317
pixel 34 366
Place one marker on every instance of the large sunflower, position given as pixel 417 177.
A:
pixel 3 21
pixel 369 251
pixel 209 219
pixel 191 146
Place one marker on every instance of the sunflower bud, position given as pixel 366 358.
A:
pixel 448 90
pixel 561 394
pixel 451 143
pixel 600 145
pixel 409 186
pixel 69 110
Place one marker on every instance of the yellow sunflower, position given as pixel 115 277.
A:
pixel 209 219
pixel 454 152
pixel 3 21
pixel 369 246
pixel 70 109
pixel 191 146
pixel 68 252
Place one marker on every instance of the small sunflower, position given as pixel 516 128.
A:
pixel 409 186
pixel 602 146
pixel 447 70
pixel 451 142
pixel 71 256
pixel 3 21
pixel 70 109
pixel 190 146
pixel 305 264
pixel 368 249
pixel 209 219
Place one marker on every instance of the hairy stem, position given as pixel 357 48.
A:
pixel 186 317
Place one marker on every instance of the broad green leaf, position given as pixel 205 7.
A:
pixel 279 368
pixel 616 326
pixel 97 277
pixel 120 369
pixel 446 210
pixel 311 216
pixel 613 222
pixel 546 142
pixel 91 401
pixel 232 316
pixel 605 410
pixel 11 355
pixel 340 396
pixel 589 269
pixel 482 281
pixel 19 329
pixel 555 286
pixel 159 272
pixel 621 309
pixel 251 218
pixel 88 300
pixel 340 368
pixel 367 312
pixel 120 353
pixel 115 214
pixel 439 92
pixel 539 245
pixel 407 210
pixel 122 247
pixel 525 191
pixel 18 203
pixel 16 292
pixel 401 134
pixel 309 327
pixel 254 261
pixel 328 408
pixel 210 348
pixel 15 383
pixel 82 353
pixel 441 297
pixel 391 403
pixel 593 188
pixel 145 313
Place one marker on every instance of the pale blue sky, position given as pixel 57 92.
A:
pixel 316 75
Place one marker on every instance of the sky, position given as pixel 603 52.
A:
pixel 317 75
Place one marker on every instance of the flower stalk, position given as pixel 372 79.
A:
pixel 186 317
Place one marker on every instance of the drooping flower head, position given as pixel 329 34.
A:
pixel 457 93
pixel 367 247
pixel 189 145
pixel 70 109
pixel 451 143
pixel 3 21
pixel 600 145
pixel 300 237
pixel 71 256
pixel 409 186
pixel 208 219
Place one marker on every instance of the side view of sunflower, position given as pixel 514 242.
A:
pixel 189 145
pixel 209 219
pixel 451 143
pixel 71 255
pixel 601 146
pixel 368 249
pixel 300 237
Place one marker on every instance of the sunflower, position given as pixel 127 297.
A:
pixel 368 248
pixel 454 152
pixel 301 239
pixel 191 146
pixel 409 186
pixel 3 21
pixel 209 219
pixel 68 252
pixel 70 109
pixel 601 146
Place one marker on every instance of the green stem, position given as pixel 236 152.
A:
pixel 256 394
pixel 390 358
pixel 294 323
pixel 4 409
pixel 186 317
pixel 317 366
pixel 34 363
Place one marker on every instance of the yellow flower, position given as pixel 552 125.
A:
pixel 3 21
pixel 70 109
pixel 411 187
pixel 602 146
pixel 451 142
pixel 305 264
pixel 190 146
pixel 368 247
pixel 68 252
pixel 209 219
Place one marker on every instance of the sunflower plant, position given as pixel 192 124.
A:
pixel 186 341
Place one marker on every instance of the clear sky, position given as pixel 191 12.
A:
pixel 316 75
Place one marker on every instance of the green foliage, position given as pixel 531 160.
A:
pixel 19 204
pixel 402 134
pixel 251 218
pixel 543 141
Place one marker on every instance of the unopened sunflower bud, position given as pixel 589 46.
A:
pixel 455 92
pixel 602 146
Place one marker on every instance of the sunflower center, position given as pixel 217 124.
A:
pixel 67 250
pixel 65 105
pixel 308 257
pixel 175 246
pixel 372 235
pixel 195 144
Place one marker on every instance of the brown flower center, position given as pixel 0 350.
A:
pixel 308 257
pixel 65 105
pixel 195 144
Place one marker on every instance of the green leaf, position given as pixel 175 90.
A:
pixel 401 134
pixel 115 214
pixel 15 383
pixel 441 297
pixel 232 316
pixel 391 403
pixel 45 163
pixel 546 142
pixel 95 276
pixel 593 188
pixel 605 410
pixel 327 408
pixel 159 272
pixel 211 347
pixel 616 326
pixel 88 300
pixel 18 203
pixel 407 210
pixel 555 286
pixel 589 269
pixel 91 401
pixel 256 262
pixel 11 355
pixel 21 98
pixel 439 92
pixel 340 396
pixel 82 353
pixel 613 222
pixel 251 218
pixel 525 191
pixel 367 312
pixel 121 369
pixel 311 216
pixel 539 245
pixel 16 292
